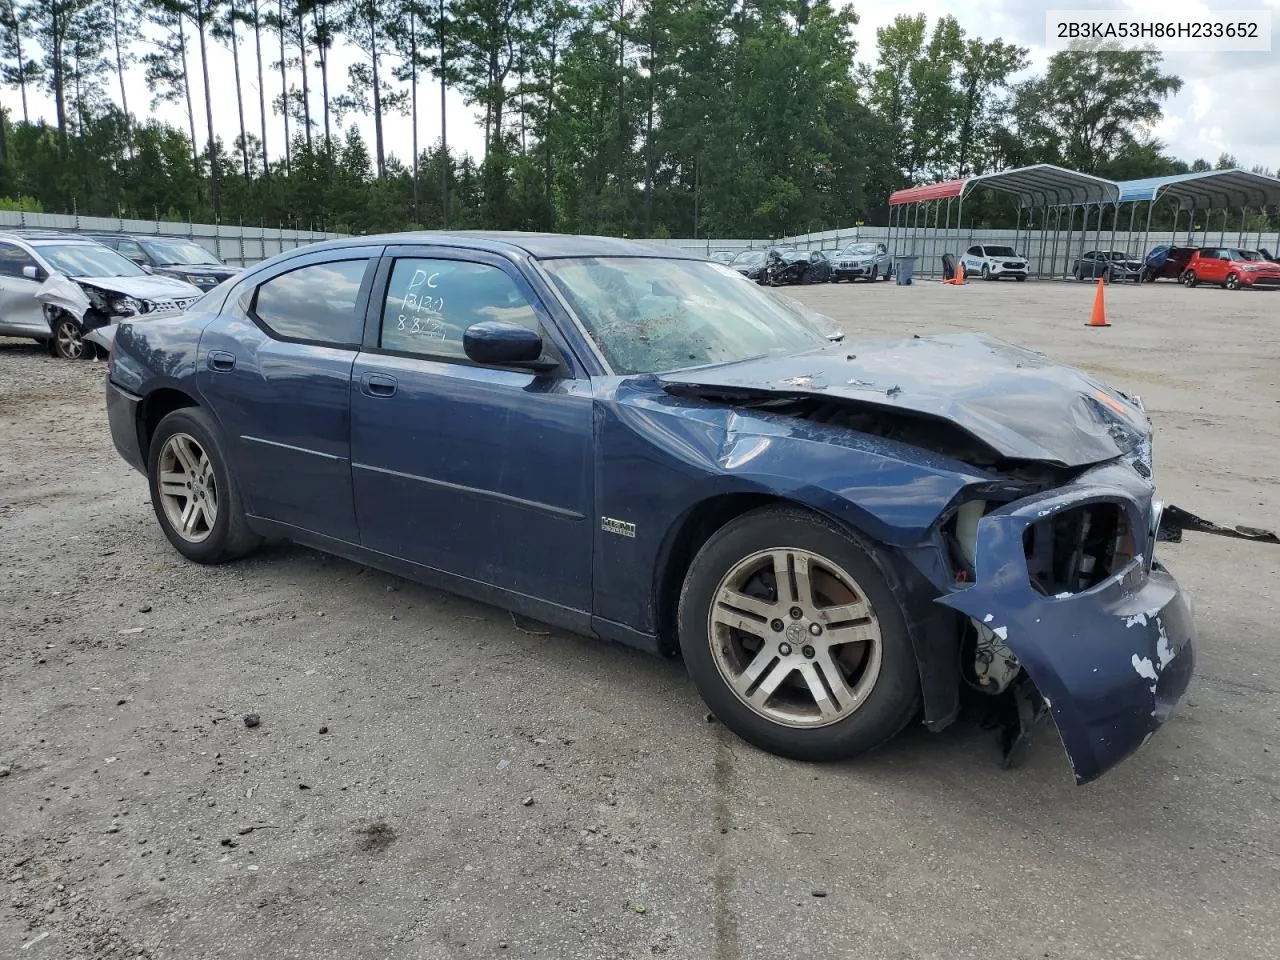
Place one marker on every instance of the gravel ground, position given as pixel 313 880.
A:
pixel 429 781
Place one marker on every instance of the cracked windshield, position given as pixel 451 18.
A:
pixel 648 315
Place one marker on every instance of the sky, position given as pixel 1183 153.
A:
pixel 1228 102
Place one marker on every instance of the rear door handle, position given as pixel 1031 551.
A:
pixel 378 385
pixel 221 360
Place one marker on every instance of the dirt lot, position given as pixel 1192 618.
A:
pixel 381 809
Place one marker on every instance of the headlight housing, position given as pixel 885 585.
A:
pixel 126 307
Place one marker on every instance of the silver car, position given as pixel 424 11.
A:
pixel 862 261
pixel 57 287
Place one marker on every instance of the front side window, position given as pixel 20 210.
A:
pixel 131 250
pixel 315 303
pixel 88 260
pixel 12 259
pixel 430 304
pixel 649 314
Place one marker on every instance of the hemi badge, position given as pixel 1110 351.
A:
pixel 620 527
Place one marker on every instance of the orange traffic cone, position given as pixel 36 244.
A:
pixel 960 274
pixel 1099 316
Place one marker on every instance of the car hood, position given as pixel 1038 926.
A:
pixel 148 287
pixel 1019 403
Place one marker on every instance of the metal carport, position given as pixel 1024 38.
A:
pixel 1042 187
pixel 1211 190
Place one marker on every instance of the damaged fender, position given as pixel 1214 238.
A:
pixel 1110 661
pixel 64 293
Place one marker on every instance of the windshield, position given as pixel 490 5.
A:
pixel 648 314
pixel 1250 255
pixel 1118 255
pixel 88 260
pixel 172 253
pixel 1000 252
pixel 748 258
pixel 860 250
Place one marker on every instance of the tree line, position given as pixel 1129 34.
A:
pixel 631 117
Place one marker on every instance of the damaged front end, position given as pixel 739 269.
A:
pixel 1064 588
pixel 94 307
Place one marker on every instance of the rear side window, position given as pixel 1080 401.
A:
pixel 316 303
pixel 430 304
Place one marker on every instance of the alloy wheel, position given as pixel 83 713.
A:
pixel 188 488
pixel 69 341
pixel 1233 282
pixel 795 637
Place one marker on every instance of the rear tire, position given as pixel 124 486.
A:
pixel 1189 278
pixel 832 683
pixel 193 492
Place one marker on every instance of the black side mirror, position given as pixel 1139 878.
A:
pixel 505 344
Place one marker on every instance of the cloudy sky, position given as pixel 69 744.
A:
pixel 1228 102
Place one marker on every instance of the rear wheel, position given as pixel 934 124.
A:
pixel 193 492
pixel 1233 282
pixel 1189 278
pixel 794 638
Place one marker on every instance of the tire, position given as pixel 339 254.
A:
pixel 869 682
pixel 184 442
pixel 1189 278
pixel 986 272
pixel 1020 277
pixel 68 341
pixel 875 273
pixel 1233 282
pixel 1077 273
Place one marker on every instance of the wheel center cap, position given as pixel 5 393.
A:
pixel 795 632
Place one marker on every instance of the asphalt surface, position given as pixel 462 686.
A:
pixel 429 781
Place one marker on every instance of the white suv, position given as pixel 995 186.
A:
pixel 991 262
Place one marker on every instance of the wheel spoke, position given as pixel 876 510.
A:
pixel 208 513
pixel 803 594
pixel 185 457
pixel 740 601
pixel 738 621
pixel 188 519
pixel 172 488
pixel 852 632
pixel 843 614
pixel 774 674
pixel 826 705
pixel 829 670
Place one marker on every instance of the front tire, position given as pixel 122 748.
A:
pixel 794 638
pixel 193 491
pixel 1233 282
pixel 986 272
pixel 68 341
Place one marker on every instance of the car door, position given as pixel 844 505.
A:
pixel 21 315
pixel 133 250
pixel 883 260
pixel 481 472
pixel 974 260
pixel 1213 266
pixel 275 367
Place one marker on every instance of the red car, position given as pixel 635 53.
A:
pixel 1231 268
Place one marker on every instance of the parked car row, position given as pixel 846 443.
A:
pixel 777 266
pixel 1229 267
pixel 57 288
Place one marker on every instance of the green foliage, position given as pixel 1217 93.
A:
pixel 629 117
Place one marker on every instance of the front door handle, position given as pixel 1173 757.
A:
pixel 221 360
pixel 378 385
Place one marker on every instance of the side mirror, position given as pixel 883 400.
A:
pixel 144 266
pixel 505 344
pixel 31 272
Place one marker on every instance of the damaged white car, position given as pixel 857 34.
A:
pixel 57 288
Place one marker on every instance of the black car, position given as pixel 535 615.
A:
pixel 820 267
pixel 1111 264
pixel 171 257
pixel 749 263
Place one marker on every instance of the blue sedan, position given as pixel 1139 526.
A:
pixel 632 443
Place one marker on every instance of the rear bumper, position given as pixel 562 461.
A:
pixel 1111 661
pixel 122 415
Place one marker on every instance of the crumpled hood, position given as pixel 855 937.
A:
pixel 1018 402
pixel 148 287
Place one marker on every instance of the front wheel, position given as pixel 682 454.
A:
pixel 875 274
pixel 68 341
pixel 193 491
pixel 794 638
pixel 1233 282
pixel 986 272
pixel 1020 277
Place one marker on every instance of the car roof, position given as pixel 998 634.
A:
pixel 136 236
pixel 538 245
pixel 38 236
